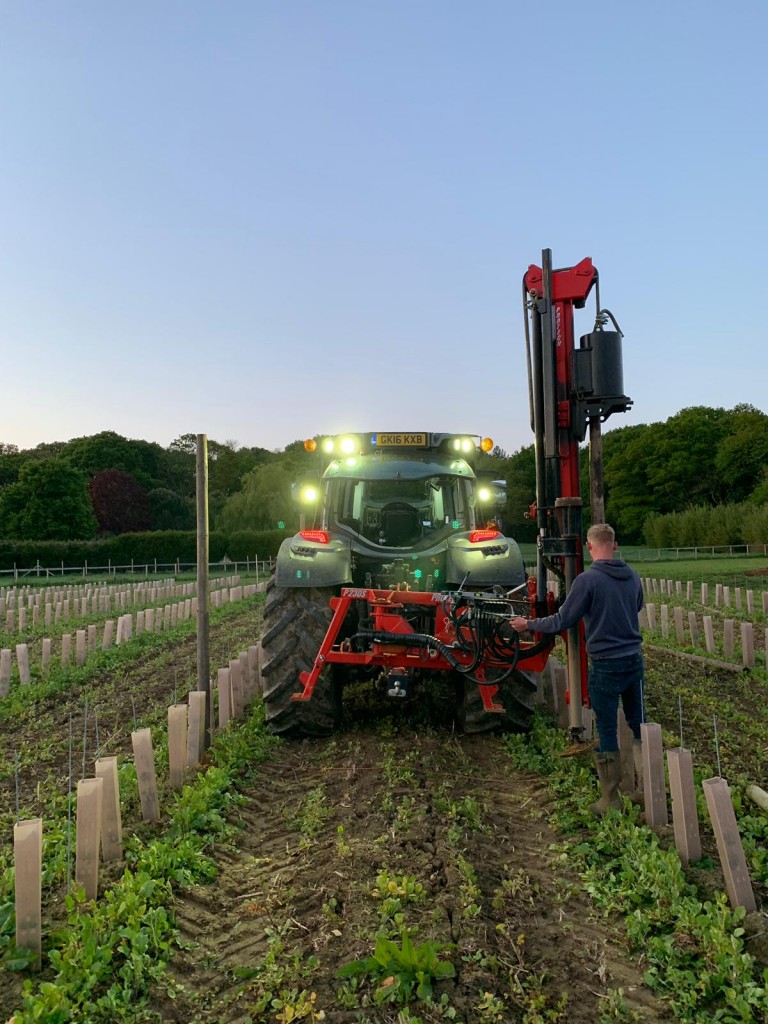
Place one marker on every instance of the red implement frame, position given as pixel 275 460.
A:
pixel 570 288
pixel 387 609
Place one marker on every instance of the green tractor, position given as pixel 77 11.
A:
pixel 400 572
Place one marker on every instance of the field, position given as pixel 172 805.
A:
pixel 397 872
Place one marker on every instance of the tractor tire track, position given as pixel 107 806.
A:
pixel 325 821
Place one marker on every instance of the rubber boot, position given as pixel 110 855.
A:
pixel 609 773
pixel 638 796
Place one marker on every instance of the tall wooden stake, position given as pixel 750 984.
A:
pixel 203 654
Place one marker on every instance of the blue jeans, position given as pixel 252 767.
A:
pixel 612 680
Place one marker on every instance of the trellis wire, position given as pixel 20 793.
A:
pixel 85 732
pixel 69 809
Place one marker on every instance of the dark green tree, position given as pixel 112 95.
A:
pixel 144 460
pixel 171 511
pixel 50 501
pixel 741 459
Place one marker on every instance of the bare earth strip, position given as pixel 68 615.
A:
pixel 329 828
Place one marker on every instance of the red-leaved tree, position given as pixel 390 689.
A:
pixel 119 501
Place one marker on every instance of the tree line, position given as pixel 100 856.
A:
pixel 699 477
pixel 105 485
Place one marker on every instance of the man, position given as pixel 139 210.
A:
pixel 608 597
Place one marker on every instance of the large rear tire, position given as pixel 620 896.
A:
pixel 295 624
pixel 517 694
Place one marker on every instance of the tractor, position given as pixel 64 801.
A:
pixel 401 571
pixel 404 573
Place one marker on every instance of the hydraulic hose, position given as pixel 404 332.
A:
pixel 482 644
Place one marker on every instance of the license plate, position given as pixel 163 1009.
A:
pixel 400 440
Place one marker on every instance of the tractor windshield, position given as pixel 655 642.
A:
pixel 404 512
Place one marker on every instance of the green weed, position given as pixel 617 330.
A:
pixel 402 972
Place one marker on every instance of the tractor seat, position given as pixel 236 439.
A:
pixel 400 524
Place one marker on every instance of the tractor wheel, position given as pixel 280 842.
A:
pixel 295 624
pixel 517 693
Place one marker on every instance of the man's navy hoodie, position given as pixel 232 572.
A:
pixel 608 596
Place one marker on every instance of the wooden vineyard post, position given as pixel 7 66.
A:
pixel 196 727
pixel 177 745
pixel 684 817
pixel 28 860
pixel 650 610
pixel 732 859
pixel 709 634
pixel 728 638
pixel 109 634
pixel 693 627
pixel 588 721
pixel 80 638
pixel 747 645
pixel 144 757
pixel 679 631
pixel 111 820
pixel 236 682
pixel 653 773
pixel 5 671
pixel 88 836
pixel 260 668
pixel 626 750
pixel 22 659
pixel 225 697
pixel 245 674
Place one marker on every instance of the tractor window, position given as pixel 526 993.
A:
pixel 461 506
pixel 347 502
pixel 401 513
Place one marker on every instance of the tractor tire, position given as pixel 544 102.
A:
pixel 295 624
pixel 517 694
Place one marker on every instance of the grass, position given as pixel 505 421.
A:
pixel 734 570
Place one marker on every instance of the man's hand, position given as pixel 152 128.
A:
pixel 519 625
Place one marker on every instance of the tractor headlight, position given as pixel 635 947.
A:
pixel 484 494
pixel 348 445
pixel 309 495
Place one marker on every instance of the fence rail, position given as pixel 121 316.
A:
pixel 705 551
pixel 146 569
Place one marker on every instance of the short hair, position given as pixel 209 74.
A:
pixel 601 533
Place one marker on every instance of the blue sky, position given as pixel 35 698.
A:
pixel 265 220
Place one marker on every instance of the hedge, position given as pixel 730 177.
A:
pixel 164 547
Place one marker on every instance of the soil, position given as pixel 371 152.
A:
pixel 327 823
pixel 503 908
